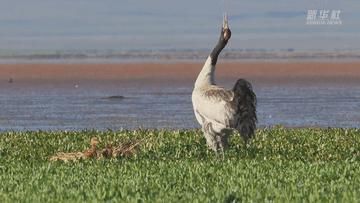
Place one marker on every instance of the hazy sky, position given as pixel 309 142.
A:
pixel 173 24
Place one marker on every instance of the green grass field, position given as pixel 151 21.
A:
pixel 279 165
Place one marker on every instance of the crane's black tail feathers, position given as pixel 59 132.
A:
pixel 246 109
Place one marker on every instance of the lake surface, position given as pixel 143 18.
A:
pixel 87 106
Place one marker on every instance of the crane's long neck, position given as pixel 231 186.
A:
pixel 207 73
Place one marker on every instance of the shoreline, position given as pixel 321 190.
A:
pixel 163 73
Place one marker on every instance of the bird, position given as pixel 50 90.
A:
pixel 220 111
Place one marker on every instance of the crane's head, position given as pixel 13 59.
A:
pixel 225 31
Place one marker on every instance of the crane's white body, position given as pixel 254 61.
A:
pixel 213 105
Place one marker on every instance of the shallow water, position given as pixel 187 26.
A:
pixel 87 106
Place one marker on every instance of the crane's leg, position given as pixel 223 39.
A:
pixel 221 144
pixel 208 133
pixel 210 136
pixel 217 141
pixel 223 141
pixel 223 138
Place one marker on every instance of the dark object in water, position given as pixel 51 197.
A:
pixel 115 97
pixel 10 80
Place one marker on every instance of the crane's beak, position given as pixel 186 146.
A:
pixel 225 22
pixel 226 29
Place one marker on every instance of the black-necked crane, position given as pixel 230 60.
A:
pixel 220 111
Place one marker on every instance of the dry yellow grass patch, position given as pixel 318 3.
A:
pixel 125 149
